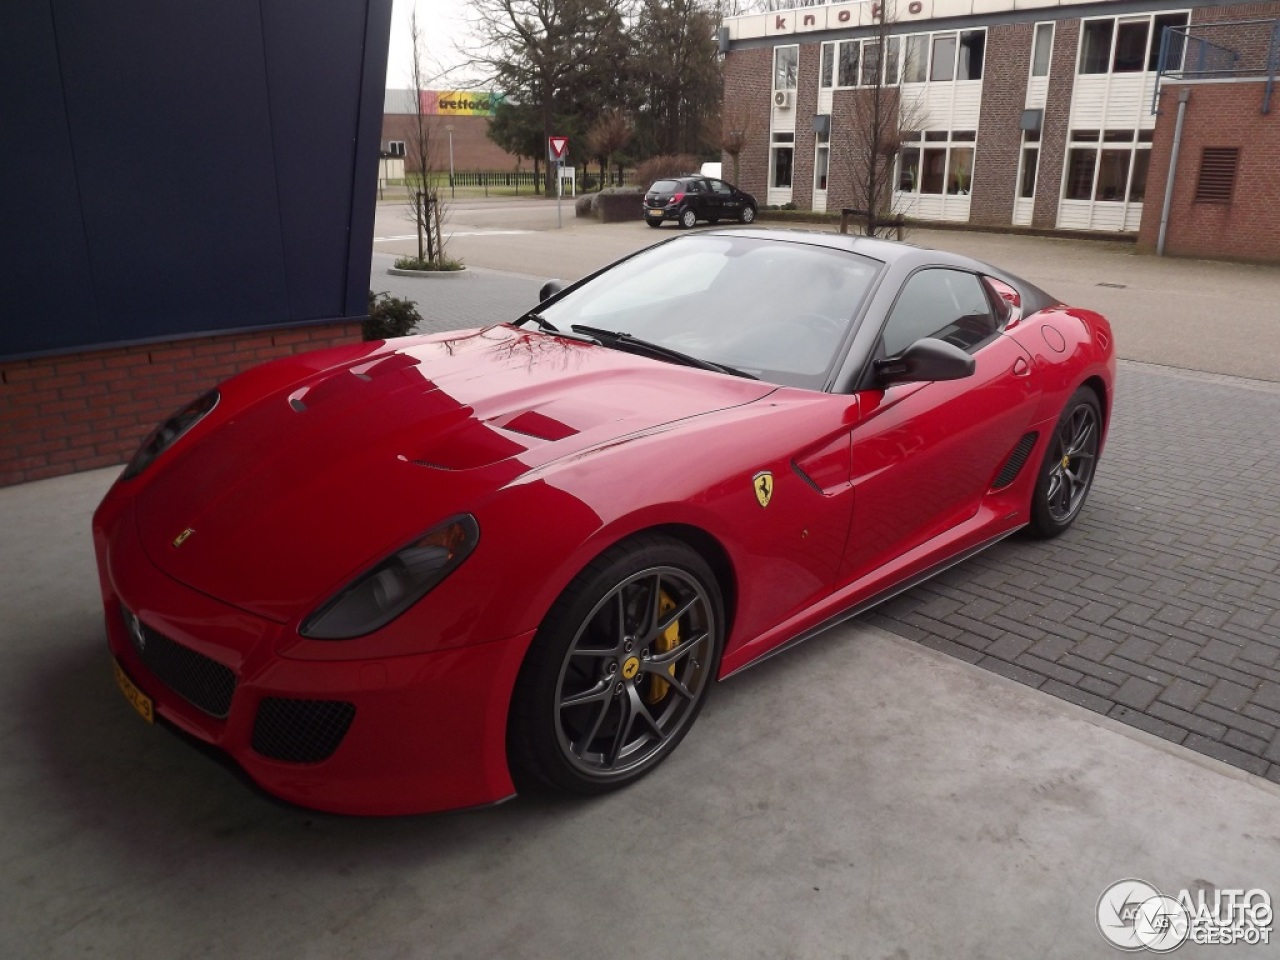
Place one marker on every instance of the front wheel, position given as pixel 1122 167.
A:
pixel 748 214
pixel 688 217
pixel 619 669
pixel 1066 474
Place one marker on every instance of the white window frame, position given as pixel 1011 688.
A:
pixel 1053 35
pixel 777 51
pixel 1116 20
pixel 1135 145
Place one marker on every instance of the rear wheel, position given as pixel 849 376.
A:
pixel 653 222
pixel 1066 474
pixel 619 669
pixel 748 214
pixel 688 217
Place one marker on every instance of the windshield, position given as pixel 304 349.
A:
pixel 778 310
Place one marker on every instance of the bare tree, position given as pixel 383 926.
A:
pixel 738 129
pixel 869 153
pixel 609 134
pixel 425 202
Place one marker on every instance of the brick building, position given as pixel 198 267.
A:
pixel 1049 114
pixel 458 116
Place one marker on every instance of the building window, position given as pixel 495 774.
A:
pixel 1027 181
pixel 1125 44
pixel 395 148
pixel 821 160
pixel 1176 41
pixel 943 164
pixel 1042 50
pixel 944 57
pixel 783 153
pixel 786 63
pixel 1217 174
pixel 915 59
pixel 973 46
pixel 1107 166
pixel 858 63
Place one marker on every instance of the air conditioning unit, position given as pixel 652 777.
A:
pixel 782 99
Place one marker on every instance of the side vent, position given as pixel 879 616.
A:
pixel 1013 466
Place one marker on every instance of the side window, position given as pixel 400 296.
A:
pixel 949 305
pixel 693 186
pixel 719 187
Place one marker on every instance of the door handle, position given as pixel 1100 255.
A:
pixel 1021 368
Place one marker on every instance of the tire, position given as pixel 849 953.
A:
pixel 748 214
pixel 1070 460
pixel 688 217
pixel 654 223
pixel 607 691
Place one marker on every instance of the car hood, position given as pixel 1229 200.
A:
pixel 279 499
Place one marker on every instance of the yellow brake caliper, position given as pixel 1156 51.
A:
pixel 667 641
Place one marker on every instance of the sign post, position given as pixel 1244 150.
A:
pixel 556 147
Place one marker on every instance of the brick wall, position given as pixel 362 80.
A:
pixel 806 106
pixel 86 410
pixel 1218 115
pixel 748 80
pixel 1004 94
pixel 1057 113
pixel 472 148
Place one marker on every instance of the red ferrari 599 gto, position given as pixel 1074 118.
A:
pixel 404 576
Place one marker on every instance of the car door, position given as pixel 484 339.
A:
pixel 925 454
pixel 722 197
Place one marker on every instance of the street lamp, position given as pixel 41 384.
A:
pixel 452 193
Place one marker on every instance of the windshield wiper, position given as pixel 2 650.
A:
pixel 542 322
pixel 656 350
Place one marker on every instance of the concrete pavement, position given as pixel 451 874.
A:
pixel 859 797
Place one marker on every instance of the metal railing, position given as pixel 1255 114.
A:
pixel 1221 50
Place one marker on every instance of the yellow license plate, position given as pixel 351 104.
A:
pixel 655 213
pixel 141 702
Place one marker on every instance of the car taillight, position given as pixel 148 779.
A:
pixel 676 198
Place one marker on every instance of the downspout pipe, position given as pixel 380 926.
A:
pixel 1184 95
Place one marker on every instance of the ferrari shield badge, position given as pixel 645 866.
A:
pixel 763 482
pixel 181 538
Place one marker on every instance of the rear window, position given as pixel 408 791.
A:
pixel 665 186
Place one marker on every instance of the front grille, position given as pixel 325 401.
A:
pixel 202 682
pixel 1013 466
pixel 301 731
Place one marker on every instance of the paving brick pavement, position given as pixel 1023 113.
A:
pixel 1160 607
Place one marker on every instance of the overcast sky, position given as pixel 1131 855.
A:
pixel 442 25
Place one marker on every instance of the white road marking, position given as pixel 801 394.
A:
pixel 458 233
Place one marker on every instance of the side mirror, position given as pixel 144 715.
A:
pixel 550 289
pixel 926 359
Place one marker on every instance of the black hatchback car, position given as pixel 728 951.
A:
pixel 686 200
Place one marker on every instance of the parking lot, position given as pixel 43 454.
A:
pixel 958 774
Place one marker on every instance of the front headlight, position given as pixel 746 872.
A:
pixel 382 593
pixel 166 435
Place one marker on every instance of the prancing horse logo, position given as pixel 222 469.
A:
pixel 181 538
pixel 763 483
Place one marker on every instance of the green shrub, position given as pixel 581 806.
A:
pixel 390 317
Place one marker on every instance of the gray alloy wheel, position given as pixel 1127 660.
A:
pixel 620 668
pixel 688 217
pixel 1069 464
pixel 748 214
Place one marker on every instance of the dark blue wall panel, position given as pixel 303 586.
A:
pixel 212 168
